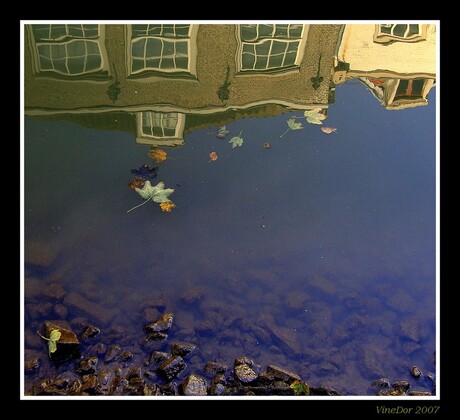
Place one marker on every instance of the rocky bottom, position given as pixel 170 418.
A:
pixel 86 368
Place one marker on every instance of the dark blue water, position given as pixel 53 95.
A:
pixel 317 254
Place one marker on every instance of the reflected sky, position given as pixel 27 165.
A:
pixel 356 207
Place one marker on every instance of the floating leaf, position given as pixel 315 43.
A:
pixel 213 156
pixel 156 193
pixel 222 132
pixel 314 116
pixel 136 183
pixel 300 388
pixel 236 141
pixel 144 172
pixel 328 130
pixel 167 206
pixel 292 125
pixel 55 335
pixel 158 155
pixel 267 145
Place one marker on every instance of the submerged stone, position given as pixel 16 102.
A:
pixel 244 373
pixel 182 348
pixel 282 374
pixel 163 323
pixel 193 385
pixel 213 368
pixel 67 346
pixel 171 367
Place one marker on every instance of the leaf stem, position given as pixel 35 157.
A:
pixel 148 199
pixel 285 132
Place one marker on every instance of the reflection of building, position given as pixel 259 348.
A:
pixel 397 62
pixel 163 73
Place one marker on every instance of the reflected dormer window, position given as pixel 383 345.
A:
pixel 161 49
pixel 386 33
pixel 68 50
pixel 270 48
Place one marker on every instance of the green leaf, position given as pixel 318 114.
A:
pixel 294 125
pixel 236 141
pixel 156 193
pixel 55 335
pixel 300 388
pixel 314 116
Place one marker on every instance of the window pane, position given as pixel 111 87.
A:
pixel 248 61
pixel 417 87
pixel 182 63
pixel 386 29
pixel 60 66
pixel 157 132
pixel 41 32
pixel 93 62
pixel 169 132
pixel 75 30
pixel 170 120
pixel 290 59
pixel 58 51
pixel 279 47
pixel 293 46
pixel 44 50
pixel 58 31
pixel 167 63
pixel 276 61
pixel 264 48
pixel 281 31
pixel 137 65
pixel 45 63
pixel 152 63
pixel 76 48
pixel 168 48
pixel 266 31
pixel 295 31
pixel 76 65
pixel 137 48
pixel 414 30
pixel 248 32
pixel 182 31
pixel 261 62
pixel 92 47
pixel 182 47
pixel 154 47
pixel 399 30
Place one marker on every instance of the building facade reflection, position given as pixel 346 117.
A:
pixel 160 81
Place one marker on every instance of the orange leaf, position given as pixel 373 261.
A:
pixel 158 155
pixel 328 130
pixel 213 156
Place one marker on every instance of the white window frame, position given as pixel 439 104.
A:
pixel 178 133
pixel 65 41
pixel 152 71
pixel 300 51
pixel 383 38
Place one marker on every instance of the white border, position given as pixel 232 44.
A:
pixel 388 400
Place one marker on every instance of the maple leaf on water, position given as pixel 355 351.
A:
pixel 328 130
pixel 156 193
pixel 167 206
pixel 222 132
pixel 314 116
pixel 157 154
pixel 292 125
pixel 55 335
pixel 236 141
pixel 144 172
pixel 213 156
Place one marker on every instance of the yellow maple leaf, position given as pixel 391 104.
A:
pixel 158 155
pixel 167 206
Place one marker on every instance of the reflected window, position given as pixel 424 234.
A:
pixel 68 50
pixel 160 48
pixel 158 124
pixel 400 32
pixel 412 88
pixel 266 48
